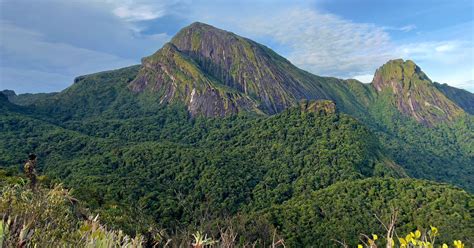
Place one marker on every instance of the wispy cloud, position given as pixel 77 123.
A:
pixel 468 85
pixel 325 44
pixel 138 13
pixel 448 61
pixel 406 28
pixel 135 11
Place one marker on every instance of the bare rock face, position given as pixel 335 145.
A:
pixel 413 93
pixel 247 66
pixel 318 106
pixel 175 77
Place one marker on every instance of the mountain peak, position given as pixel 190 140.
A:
pixel 197 28
pixel 199 25
pixel 413 93
pixel 216 73
pixel 400 71
pixel 201 37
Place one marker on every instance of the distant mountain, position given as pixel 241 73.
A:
pixel 27 98
pixel 5 104
pixel 8 93
pixel 462 98
pixel 413 93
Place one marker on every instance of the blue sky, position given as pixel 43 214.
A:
pixel 44 44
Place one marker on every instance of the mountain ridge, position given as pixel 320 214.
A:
pixel 271 83
pixel 218 73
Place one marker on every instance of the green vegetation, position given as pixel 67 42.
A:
pixel 173 170
pixel 441 153
pixel 52 218
pixel 462 98
pixel 328 217
pixel 252 173
pixel 344 210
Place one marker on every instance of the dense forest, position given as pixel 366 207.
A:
pixel 183 174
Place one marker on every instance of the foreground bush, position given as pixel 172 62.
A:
pixel 52 218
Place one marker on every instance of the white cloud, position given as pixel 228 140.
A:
pixel 468 85
pixel 138 13
pixel 437 50
pixel 140 10
pixel 50 43
pixel 445 48
pixel 325 44
pixel 449 61
pixel 366 78
pixel 406 28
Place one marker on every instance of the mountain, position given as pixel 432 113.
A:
pixel 218 73
pixel 462 98
pixel 5 104
pixel 27 98
pixel 223 73
pixel 214 73
pixel 10 94
pixel 413 93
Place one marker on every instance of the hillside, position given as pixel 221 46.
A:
pixel 354 204
pixel 402 106
pixel 235 168
pixel 462 98
pixel 228 163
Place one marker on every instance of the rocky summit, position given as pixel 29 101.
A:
pixel 413 93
